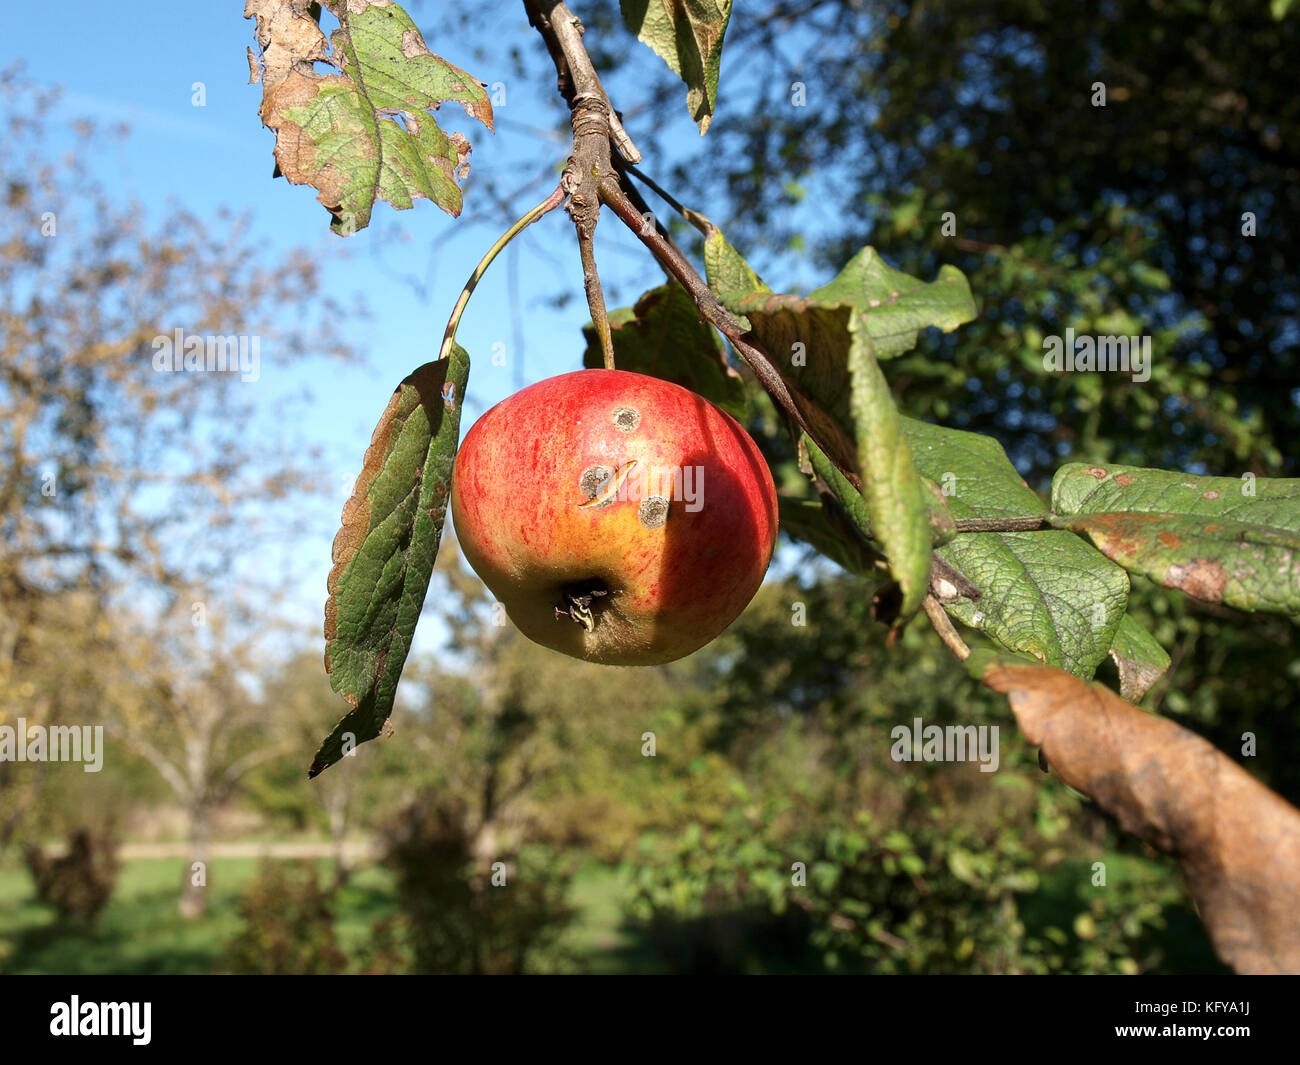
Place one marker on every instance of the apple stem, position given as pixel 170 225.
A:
pixel 944 627
pixel 596 296
pixel 696 219
pixel 547 205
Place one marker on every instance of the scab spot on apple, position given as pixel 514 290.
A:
pixel 626 418
pixel 593 481
pixel 653 511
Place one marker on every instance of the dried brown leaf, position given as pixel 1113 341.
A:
pixel 1238 843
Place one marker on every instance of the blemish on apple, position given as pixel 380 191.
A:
pixel 593 479
pixel 653 511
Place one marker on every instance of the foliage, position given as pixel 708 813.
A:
pixel 469 910
pixel 288 924
pixel 78 883
pixel 904 868
pixel 1099 172
pixel 125 577
pixel 365 129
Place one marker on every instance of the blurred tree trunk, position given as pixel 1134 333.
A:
pixel 194 895
pixel 337 803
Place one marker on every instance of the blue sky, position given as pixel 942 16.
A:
pixel 138 63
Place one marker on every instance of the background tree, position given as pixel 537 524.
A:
pixel 122 488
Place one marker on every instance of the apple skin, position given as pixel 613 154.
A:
pixel 522 502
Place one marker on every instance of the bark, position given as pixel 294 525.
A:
pixel 194 897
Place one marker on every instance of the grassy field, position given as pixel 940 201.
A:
pixel 140 931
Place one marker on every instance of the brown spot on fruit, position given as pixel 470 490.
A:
pixel 626 418
pixel 1123 480
pixel 653 511
pixel 1202 578
pixel 593 479
pixel 605 484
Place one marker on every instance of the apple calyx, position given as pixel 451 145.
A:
pixel 578 600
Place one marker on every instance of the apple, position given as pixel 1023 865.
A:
pixel 617 517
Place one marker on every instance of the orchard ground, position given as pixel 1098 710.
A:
pixel 140 931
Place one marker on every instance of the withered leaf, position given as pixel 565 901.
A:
pixel 363 131
pixel 1237 842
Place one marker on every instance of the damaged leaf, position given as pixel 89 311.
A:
pixel 1237 842
pixel 385 548
pixel 1217 539
pixel 364 130
pixel 1141 661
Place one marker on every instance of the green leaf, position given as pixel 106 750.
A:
pixel 1081 488
pixel 687 35
pixel 940 520
pixel 810 337
pixel 895 499
pixel 893 307
pixel 730 277
pixel 366 132
pixel 1044 594
pixel 663 336
pixel 385 549
pixel 1141 661
pixel 1217 539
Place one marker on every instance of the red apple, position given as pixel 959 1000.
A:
pixel 617 517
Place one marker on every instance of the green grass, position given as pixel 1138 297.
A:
pixel 598 936
pixel 141 930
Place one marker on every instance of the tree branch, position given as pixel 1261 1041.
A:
pixel 589 164
pixel 237 769
pixel 164 767
pixel 712 310
pixel 1026 524
pixel 574 71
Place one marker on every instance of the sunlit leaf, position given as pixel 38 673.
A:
pixel 1217 539
pixel 385 549
pixel 687 35
pixel 1046 594
pixel 365 130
